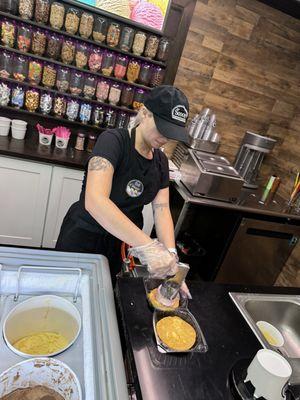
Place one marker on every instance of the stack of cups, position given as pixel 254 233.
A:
pixel 4 126
pixel 18 128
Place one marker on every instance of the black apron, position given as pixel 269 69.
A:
pixel 135 184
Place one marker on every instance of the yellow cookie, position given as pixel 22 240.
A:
pixel 176 333
pixel 156 304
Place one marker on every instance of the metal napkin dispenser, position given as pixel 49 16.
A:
pixel 211 176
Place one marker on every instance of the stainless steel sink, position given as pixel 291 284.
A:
pixel 283 312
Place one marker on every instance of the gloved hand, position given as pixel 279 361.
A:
pixel 160 262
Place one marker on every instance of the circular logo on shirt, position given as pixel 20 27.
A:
pixel 134 188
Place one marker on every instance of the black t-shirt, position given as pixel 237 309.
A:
pixel 136 180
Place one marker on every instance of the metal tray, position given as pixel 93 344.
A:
pixel 200 345
pixel 151 283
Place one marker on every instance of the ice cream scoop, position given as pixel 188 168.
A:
pixel 169 289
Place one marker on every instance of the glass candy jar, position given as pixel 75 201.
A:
pixel 8 33
pixel 102 90
pixel 57 15
pixel 20 68
pixel 59 107
pixel 89 87
pixel 113 34
pixel 38 45
pixel 151 46
pixel 108 63
pixel 26 8
pixel 114 94
pixel 110 118
pixel 81 56
pixel 126 39
pixel 62 79
pixel 54 46
pixel 139 43
pixel 127 96
pixel 85 113
pixel 100 29
pixel 49 76
pixel 120 67
pixel 23 38
pixel 163 49
pixel 42 9
pixel 32 97
pixel 76 83
pixel 157 77
pixel 95 59
pixel 138 99
pixel 133 70
pixel 98 116
pixel 46 102
pixel 86 25
pixel 72 20
pixel 68 51
pixel 72 109
pixel 35 69
pixel 145 74
pixel 18 97
pixel 6 64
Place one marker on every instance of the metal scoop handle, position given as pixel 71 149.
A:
pixel 170 288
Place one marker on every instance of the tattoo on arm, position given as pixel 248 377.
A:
pixel 99 164
pixel 159 206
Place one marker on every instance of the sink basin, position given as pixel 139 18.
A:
pixel 283 312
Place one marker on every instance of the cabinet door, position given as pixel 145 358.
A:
pixel 24 189
pixel 65 190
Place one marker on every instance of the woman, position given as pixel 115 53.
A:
pixel 125 172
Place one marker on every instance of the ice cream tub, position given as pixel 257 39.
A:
pixel 42 326
pixel 47 372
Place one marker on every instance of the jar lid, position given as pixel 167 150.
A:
pixel 92 136
pixel 81 134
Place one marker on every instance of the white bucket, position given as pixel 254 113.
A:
pixel 48 372
pixel 39 314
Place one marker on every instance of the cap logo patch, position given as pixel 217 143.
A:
pixel 180 113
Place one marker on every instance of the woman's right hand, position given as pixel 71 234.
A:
pixel 160 262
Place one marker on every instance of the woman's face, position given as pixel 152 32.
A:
pixel 150 133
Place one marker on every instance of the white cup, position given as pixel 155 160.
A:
pixel 269 372
pixel 4 126
pixel 18 123
pixel 18 133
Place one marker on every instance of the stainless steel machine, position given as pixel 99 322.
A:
pixel 249 158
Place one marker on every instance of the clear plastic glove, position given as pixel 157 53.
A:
pixel 160 262
pixel 184 291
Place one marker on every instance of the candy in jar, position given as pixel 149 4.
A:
pixel 17 97
pixel 157 77
pixel 113 34
pixel 68 51
pixel 8 33
pixel 32 100
pixel 26 8
pixel 89 87
pixel 110 118
pixel 81 56
pixel 23 38
pixel 102 90
pixel 6 64
pixel 59 108
pixel 91 142
pixel 120 67
pixel 42 8
pixel 72 20
pixel 72 110
pixel 163 49
pixel 46 103
pixel 53 46
pixel 95 60
pixel 114 94
pixel 138 99
pixel 151 46
pixel 38 42
pixel 35 72
pixel 49 76
pixel 108 63
pixel 76 83
pixel 86 25
pixel 85 113
pixel 20 68
pixel 98 116
pixel 133 70
pixel 80 141
pixel 139 43
pixel 4 94
pixel 122 120
pixel 127 96
pixel 100 29
pixel 57 15
pixel 9 6
pixel 127 37
pixel 62 79
pixel 145 74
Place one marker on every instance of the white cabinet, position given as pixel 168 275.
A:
pixel 24 191
pixel 64 191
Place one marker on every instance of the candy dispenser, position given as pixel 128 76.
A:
pixel 32 97
pixel 127 96
pixel 68 51
pixel 8 33
pixel 59 107
pixel 157 76
pixel 76 82
pixel 86 25
pixel 9 6
pixel 145 74
pixel 151 46
pixel 108 63
pixel 62 79
pixel 163 49
pixel 133 70
pixel 110 118
pixel 46 101
pixel 17 96
pixel 72 109
pixel 26 8
pixel 122 120
pixel 57 15
pixel 95 59
pixel 85 113
pixel 138 99
pixel 114 94
pixel 102 91
pixel 23 38
pixel 139 43
pixel 89 87
pixel 20 68
pixel 54 46
pixel 35 69
pixel 42 10
pixel 82 55
pixel 98 116
pixel 6 64
pixel 120 67
pixel 100 29
pixel 49 76
pixel 126 39
pixel 38 45
pixel 4 94
pixel 72 20
pixel 113 34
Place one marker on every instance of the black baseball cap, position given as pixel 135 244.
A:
pixel 170 109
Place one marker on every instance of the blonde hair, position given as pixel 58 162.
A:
pixel 143 112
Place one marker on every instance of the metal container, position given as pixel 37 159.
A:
pixel 200 345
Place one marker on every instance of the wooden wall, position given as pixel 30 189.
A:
pixel 242 59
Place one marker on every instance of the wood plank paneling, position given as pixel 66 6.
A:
pixel 242 59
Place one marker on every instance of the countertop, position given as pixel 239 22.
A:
pixel 189 377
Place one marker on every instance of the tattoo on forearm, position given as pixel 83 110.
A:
pixel 99 164
pixel 159 207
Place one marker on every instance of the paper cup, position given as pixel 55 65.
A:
pixel 61 143
pixel 271 334
pixel 4 126
pixel 18 133
pixel 45 139
pixel 48 372
pixel 269 372
pixel 39 314
pixel 18 123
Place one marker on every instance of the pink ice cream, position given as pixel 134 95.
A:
pixel 147 14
